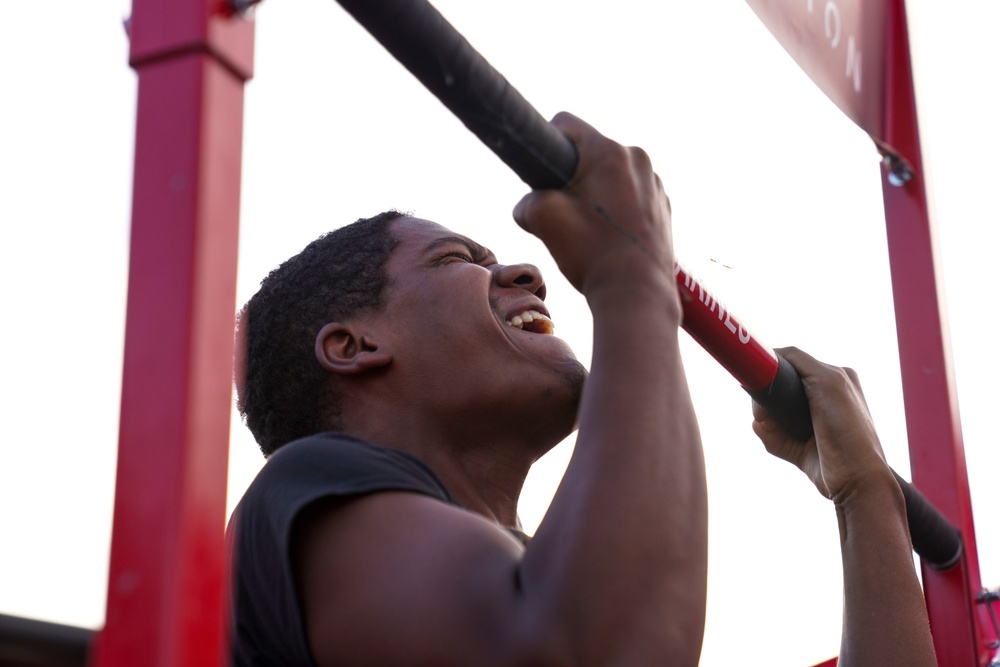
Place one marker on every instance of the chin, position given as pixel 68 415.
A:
pixel 565 410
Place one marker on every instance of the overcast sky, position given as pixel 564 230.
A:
pixel 777 207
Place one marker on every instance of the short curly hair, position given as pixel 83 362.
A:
pixel 284 394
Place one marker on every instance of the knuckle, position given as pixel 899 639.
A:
pixel 840 379
pixel 640 157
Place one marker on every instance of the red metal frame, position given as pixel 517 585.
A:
pixel 166 589
pixel 822 38
pixel 962 629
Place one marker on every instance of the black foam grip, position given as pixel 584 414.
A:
pixel 934 538
pixel 785 400
pixel 443 60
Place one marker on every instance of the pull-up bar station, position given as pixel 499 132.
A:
pixel 166 590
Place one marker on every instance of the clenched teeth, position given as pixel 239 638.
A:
pixel 533 321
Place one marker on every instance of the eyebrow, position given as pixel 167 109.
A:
pixel 478 252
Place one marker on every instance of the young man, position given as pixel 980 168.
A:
pixel 402 382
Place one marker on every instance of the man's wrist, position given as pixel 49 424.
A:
pixel 875 491
pixel 646 296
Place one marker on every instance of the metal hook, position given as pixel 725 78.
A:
pixel 988 597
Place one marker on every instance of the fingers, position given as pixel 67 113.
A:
pixel 804 363
pixel 594 148
pixel 574 127
pixel 768 430
pixel 763 424
pixel 522 210
pixel 845 447
pixel 580 133
pixel 549 215
pixel 777 441
pixel 525 211
pixel 810 367
pixel 828 387
pixel 610 223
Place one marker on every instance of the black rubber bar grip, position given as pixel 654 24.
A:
pixel 443 60
pixel 420 38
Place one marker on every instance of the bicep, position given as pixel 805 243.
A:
pixel 403 579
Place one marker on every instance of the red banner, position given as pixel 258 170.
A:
pixel 840 44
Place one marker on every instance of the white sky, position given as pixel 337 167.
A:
pixel 766 177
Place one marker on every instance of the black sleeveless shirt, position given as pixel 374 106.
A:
pixel 267 625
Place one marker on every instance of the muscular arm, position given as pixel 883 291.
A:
pixel 615 574
pixel 885 620
pixel 625 537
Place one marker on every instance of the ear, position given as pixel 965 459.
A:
pixel 343 349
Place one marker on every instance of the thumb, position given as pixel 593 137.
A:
pixel 521 211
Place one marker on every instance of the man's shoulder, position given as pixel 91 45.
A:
pixel 335 465
pixel 326 453
pixel 301 480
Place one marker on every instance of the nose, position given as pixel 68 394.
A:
pixel 525 276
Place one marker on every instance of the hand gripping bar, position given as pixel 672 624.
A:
pixel 420 38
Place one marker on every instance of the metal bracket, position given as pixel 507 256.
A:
pixel 988 597
pixel 899 172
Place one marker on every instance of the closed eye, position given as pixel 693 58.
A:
pixel 460 255
pixel 457 246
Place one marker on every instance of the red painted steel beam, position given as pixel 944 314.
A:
pixel 961 628
pixel 166 588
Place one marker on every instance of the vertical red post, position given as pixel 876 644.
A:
pixel 166 601
pixel 937 456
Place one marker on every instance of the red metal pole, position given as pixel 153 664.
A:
pixel 937 457
pixel 166 601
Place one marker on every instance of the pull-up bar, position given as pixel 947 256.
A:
pixel 444 61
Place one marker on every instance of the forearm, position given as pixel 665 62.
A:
pixel 880 582
pixel 623 546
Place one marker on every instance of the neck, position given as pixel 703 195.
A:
pixel 486 481
pixel 481 450
pixel 483 470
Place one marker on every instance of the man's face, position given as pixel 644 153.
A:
pixel 467 338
